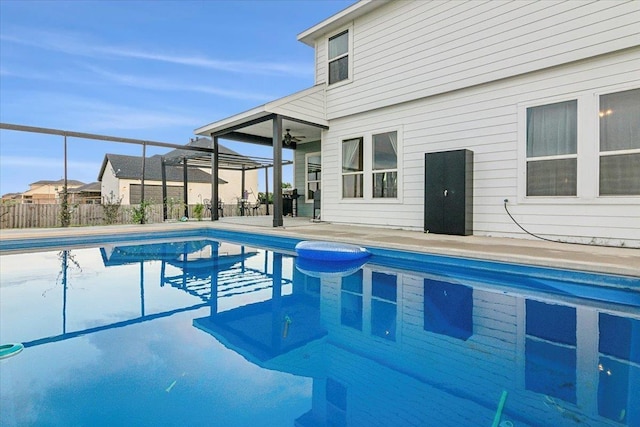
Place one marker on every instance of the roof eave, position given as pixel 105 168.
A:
pixel 338 20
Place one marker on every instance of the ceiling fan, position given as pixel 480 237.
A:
pixel 288 138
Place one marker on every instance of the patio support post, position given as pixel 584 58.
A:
pixel 266 188
pixel 185 191
pixel 215 194
pixel 163 169
pixel 277 171
pixel 144 161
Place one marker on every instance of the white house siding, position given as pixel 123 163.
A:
pixel 485 119
pixel 321 61
pixel 306 105
pixel 408 50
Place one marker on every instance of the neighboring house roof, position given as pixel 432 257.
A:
pixel 11 195
pixel 58 182
pixel 130 167
pixel 93 187
pixel 202 143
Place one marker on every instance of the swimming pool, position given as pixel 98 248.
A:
pixel 129 332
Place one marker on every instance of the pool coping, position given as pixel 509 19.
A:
pixel 587 258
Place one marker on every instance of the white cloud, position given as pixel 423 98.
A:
pixel 147 82
pixel 82 45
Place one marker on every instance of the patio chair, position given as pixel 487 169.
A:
pixel 255 209
pixel 207 205
pixel 243 207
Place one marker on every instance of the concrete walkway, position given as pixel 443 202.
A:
pixel 621 261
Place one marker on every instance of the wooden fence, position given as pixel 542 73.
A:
pixel 48 215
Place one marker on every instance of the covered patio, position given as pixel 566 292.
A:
pixel 286 123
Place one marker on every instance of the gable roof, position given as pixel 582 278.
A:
pixel 58 182
pixel 130 167
pixel 92 187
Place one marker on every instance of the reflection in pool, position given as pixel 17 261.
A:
pixel 205 332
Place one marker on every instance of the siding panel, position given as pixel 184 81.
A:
pixel 485 119
pixel 470 43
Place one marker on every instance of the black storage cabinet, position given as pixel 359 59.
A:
pixel 448 192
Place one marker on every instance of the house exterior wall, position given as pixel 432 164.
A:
pixel 44 194
pixel 408 50
pixel 110 188
pixel 231 191
pixel 490 120
pixel 197 191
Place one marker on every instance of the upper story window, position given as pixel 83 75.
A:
pixel 620 143
pixel 352 168
pixel 552 157
pixel 385 165
pixel 339 57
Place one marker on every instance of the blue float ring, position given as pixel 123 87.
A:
pixel 8 350
pixel 330 251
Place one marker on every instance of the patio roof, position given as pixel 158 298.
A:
pixel 302 113
pixel 284 123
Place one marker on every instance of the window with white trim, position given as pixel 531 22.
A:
pixel 385 164
pixel 552 156
pixel 338 56
pixel 620 143
pixel 313 163
pixel 352 168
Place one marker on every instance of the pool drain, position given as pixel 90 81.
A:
pixel 8 350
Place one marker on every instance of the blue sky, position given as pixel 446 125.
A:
pixel 153 70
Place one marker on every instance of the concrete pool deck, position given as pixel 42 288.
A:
pixel 611 260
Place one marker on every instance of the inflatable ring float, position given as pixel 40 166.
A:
pixel 330 251
pixel 8 350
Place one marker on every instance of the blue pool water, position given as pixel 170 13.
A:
pixel 232 330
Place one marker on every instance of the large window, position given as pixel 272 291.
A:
pixel 314 169
pixel 352 168
pixel 552 163
pixel 620 143
pixel 339 57
pixel 385 165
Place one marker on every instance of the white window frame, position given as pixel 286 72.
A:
pixel 552 157
pixel 362 172
pixel 600 154
pixel 348 54
pixel 306 175
pixel 376 171
pixel 367 167
pixel 588 150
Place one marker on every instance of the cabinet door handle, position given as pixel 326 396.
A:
pixel 446 193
